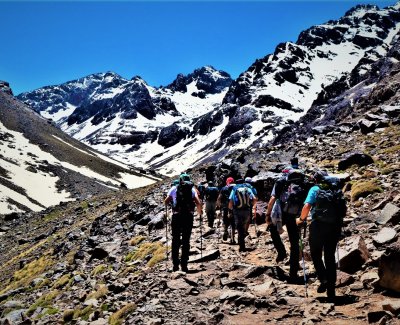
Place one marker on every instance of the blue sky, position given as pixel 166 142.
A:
pixel 45 43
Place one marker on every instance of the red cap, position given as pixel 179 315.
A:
pixel 229 180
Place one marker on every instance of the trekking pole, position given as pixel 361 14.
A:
pixel 255 226
pixel 219 225
pixel 337 252
pixel 166 230
pixel 302 258
pixel 201 236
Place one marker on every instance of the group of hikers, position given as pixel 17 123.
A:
pixel 296 200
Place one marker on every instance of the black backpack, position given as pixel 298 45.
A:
pixel 294 192
pixel 184 198
pixel 330 206
pixel 201 189
pixel 211 193
pixel 225 193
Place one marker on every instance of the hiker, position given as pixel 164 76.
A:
pixel 289 192
pixel 294 164
pixel 222 203
pixel 211 195
pixel 327 204
pixel 240 201
pixel 201 188
pixel 248 182
pixel 183 198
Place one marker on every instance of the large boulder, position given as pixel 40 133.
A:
pixel 390 213
pixel 389 268
pixel 354 255
pixel 391 111
pixel 385 236
pixel 355 158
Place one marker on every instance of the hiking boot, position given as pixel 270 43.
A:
pixel 242 249
pixel 225 235
pixel 233 242
pixel 322 287
pixel 175 268
pixel 184 268
pixel 295 279
pixel 280 258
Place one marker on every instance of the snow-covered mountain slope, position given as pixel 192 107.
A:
pixel 360 101
pixel 282 86
pixel 172 128
pixel 129 119
pixel 41 166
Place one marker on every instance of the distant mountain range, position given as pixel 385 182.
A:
pixel 41 166
pixel 205 115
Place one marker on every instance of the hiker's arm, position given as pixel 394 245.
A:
pixel 167 200
pixel 254 204
pixel 269 209
pixel 230 205
pixel 304 213
pixel 219 201
pixel 198 205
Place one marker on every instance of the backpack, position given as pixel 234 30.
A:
pixel 241 198
pixel 330 206
pixel 184 198
pixel 201 189
pixel 294 192
pixel 225 192
pixel 211 194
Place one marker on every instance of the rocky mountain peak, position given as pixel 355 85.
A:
pixel 360 10
pixel 5 87
pixel 206 79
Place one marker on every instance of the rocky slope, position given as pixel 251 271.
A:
pixel 102 260
pixel 196 119
pixel 41 166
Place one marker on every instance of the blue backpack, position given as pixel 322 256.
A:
pixel 242 197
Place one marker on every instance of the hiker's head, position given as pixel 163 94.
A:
pixel 210 184
pixel 229 180
pixel 294 162
pixel 184 178
pixel 319 176
pixel 248 180
pixel 175 182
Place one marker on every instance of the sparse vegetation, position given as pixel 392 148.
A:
pixel 391 149
pixel 45 301
pixel 62 281
pixel 155 252
pixel 99 269
pixel 68 315
pixel 84 205
pixel 136 240
pixel 118 317
pixel 30 271
pixel 83 313
pixel 364 188
pixel 101 291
